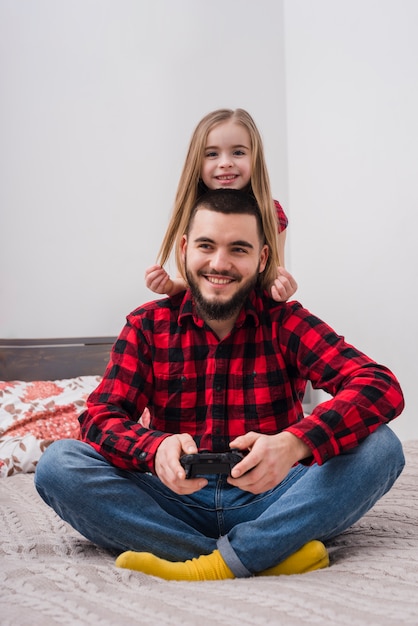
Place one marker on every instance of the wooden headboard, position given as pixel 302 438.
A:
pixel 53 359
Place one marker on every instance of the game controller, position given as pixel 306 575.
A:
pixel 210 463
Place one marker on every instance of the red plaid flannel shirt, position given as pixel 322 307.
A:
pixel 281 215
pixel 166 358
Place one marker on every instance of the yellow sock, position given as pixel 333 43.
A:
pixel 205 567
pixel 311 556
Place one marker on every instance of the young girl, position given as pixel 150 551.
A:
pixel 225 151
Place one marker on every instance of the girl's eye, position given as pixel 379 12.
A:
pixel 210 155
pixel 239 153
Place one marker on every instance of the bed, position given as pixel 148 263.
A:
pixel 49 574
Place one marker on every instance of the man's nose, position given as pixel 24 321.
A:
pixel 220 261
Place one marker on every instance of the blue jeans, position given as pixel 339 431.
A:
pixel 123 510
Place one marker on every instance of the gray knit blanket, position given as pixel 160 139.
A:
pixel 50 575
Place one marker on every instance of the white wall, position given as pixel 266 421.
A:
pixel 352 102
pixel 98 103
pixel 99 99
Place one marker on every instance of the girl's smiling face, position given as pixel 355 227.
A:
pixel 226 160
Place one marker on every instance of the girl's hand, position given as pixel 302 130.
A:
pixel 284 286
pixel 157 279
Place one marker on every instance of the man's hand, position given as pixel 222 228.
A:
pixel 168 467
pixel 268 462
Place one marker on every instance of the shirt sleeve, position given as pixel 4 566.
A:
pixel 110 423
pixel 364 393
pixel 281 215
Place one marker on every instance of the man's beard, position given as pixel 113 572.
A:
pixel 219 311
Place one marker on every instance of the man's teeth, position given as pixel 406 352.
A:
pixel 219 281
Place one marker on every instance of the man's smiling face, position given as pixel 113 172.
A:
pixel 223 256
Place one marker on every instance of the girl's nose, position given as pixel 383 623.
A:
pixel 226 160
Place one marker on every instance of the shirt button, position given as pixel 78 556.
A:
pixel 143 455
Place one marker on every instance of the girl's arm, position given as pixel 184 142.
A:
pixel 285 285
pixel 282 241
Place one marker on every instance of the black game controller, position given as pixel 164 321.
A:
pixel 210 463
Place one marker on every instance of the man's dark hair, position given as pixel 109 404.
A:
pixel 229 201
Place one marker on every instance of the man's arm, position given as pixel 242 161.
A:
pixel 110 422
pixel 365 394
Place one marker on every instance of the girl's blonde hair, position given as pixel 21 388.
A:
pixel 190 188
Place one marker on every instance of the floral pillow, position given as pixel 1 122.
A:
pixel 33 414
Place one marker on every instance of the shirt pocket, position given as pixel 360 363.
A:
pixel 179 385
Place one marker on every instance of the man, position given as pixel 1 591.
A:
pixel 224 366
